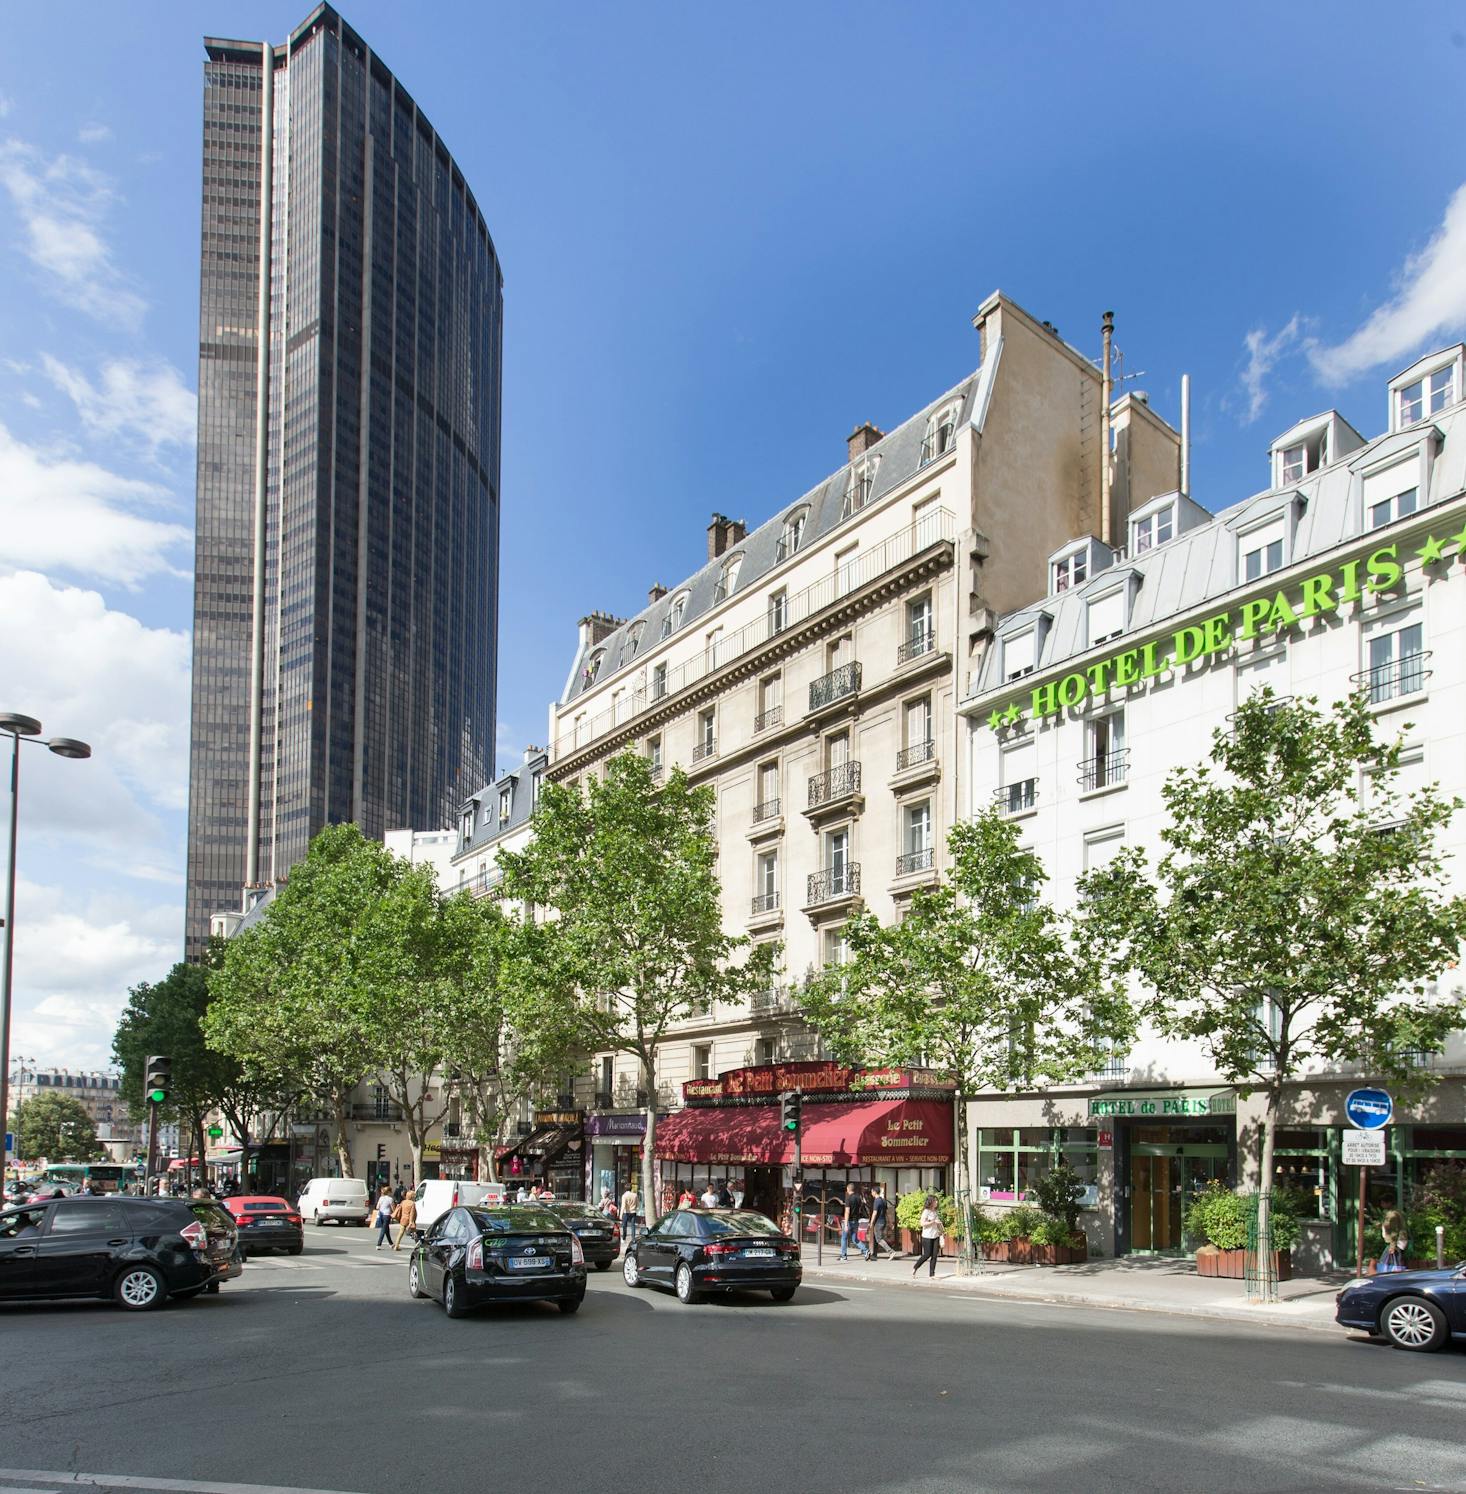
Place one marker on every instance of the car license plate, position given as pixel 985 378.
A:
pixel 272 1223
pixel 759 1250
pixel 528 1262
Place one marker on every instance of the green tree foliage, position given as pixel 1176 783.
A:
pixel 1292 924
pixel 58 1128
pixel 635 942
pixel 982 980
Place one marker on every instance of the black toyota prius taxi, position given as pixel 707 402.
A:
pixel 471 1257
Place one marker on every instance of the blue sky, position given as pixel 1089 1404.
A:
pixel 729 235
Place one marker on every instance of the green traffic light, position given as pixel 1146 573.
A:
pixel 157 1096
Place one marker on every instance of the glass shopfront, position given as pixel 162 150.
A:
pixel 1157 1170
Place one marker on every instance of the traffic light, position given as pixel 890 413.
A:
pixel 789 1113
pixel 381 1151
pixel 159 1080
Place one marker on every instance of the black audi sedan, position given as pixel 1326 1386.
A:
pixel 137 1251
pixel 471 1257
pixel 1411 1309
pixel 599 1237
pixel 699 1251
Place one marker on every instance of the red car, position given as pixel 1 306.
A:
pixel 266 1223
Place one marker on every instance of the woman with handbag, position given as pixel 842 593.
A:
pixel 1396 1243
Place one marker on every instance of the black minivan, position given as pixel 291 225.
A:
pixel 138 1251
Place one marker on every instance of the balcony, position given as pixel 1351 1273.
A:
pixel 915 861
pixel 708 747
pixel 386 1112
pixel 1115 1068
pixel 763 903
pixel 657 771
pixel 835 884
pixel 769 719
pixel 1016 798
pixel 1106 770
pixel 720 592
pixel 834 788
pixel 775 1002
pixel 857 495
pixel 922 641
pixel 839 684
pixel 603 1099
pixel 1398 677
pixel 768 810
pixel 916 755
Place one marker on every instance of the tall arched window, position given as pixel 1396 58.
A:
pixel 793 534
pixel 941 433
pixel 728 578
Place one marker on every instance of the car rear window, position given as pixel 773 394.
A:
pixel 514 1221
pixel 210 1215
pixel 269 1206
pixel 742 1223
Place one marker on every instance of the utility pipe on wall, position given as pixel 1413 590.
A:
pixel 1185 435
pixel 1107 330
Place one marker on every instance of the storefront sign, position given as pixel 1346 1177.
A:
pixel 1369 1109
pixel 558 1117
pixel 1364 1148
pixel 808 1078
pixel 616 1125
pixel 1328 591
pixel 1177 1103
pixel 1106 1139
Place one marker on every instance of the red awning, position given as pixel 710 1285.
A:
pixel 848 1133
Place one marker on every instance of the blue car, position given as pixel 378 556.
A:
pixel 1412 1309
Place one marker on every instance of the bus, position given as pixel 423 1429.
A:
pixel 106 1177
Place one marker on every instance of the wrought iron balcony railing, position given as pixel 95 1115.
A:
pixel 769 719
pixel 835 685
pixel 1014 798
pixel 914 861
pixel 768 810
pixel 384 1110
pixel 1104 770
pixel 765 902
pixel 915 755
pixel 1403 676
pixel 922 641
pixel 838 783
pixel 834 882
pixel 708 747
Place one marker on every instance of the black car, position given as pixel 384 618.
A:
pixel 1412 1309
pixel 599 1236
pixel 698 1251
pixel 138 1251
pixel 471 1257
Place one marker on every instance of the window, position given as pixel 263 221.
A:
pixel 593 668
pixel 1294 464
pixel 675 612
pixel 1019 765
pixel 839 651
pixel 633 639
pixel 793 533
pixel 765 1051
pixel 920 632
pixel 467 834
pixel 619 711
pixel 1102 846
pixel 84 1217
pixel 766 882
pixel 1387 510
pixel 1105 763
pixel 506 801
pixel 702 1060
pixel 659 681
pixel 940 435
pixel 654 752
pixel 707 733
pixel 1107 617
pixel 837 853
pixel 768 791
pixel 836 947
pixel 837 749
pixel 1010 1161
pixel 534 791
pixel 714 648
pixel 778 612
pixel 729 577
pixel 1153 530
pixel 608 1078
pixel 1019 654
pixel 916 837
pixel 862 486
pixel 846 572
pixel 917 721
pixel 1396 664
pixel 1427 396
pixel 582 730
pixel 1262 550
pixel 926 524
pixel 770 702
pixel 1071 570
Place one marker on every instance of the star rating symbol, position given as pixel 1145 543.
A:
pixel 1432 550
pixel 1011 715
pixel 1459 540
pixel 995 720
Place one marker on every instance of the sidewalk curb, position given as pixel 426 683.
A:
pixel 1263 1317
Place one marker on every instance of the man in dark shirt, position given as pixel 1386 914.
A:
pixel 850 1221
pixel 876 1231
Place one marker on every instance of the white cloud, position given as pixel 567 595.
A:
pixel 66 515
pixel 62 204
pixel 6 104
pixel 1263 353
pixel 88 671
pixel 146 402
pixel 94 134
pixel 1429 301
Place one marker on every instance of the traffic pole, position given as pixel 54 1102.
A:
pixel 152 1166
pixel 1359 1262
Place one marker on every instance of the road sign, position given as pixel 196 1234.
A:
pixel 1364 1149
pixel 1369 1109
pixel 215 1132
pixel 10 1143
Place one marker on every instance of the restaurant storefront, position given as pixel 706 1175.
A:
pixel 892 1126
pixel 552 1153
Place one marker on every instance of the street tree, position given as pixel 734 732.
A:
pixel 1297 920
pixel 56 1127
pixel 634 942
pixel 982 980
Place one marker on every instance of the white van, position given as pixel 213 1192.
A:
pixel 436 1196
pixel 342 1199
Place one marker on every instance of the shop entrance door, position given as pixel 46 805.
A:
pixel 1163 1178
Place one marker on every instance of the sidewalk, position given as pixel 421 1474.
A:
pixel 1148 1284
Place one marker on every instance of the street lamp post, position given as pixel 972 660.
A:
pixel 20 729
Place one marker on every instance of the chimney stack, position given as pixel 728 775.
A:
pixel 723 533
pixel 530 753
pixel 657 592
pixel 861 439
pixel 597 627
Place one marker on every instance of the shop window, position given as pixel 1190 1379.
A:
pixel 1010 1162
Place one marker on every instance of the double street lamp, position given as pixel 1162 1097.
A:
pixel 20 729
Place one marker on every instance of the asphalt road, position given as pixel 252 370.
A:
pixel 319 1373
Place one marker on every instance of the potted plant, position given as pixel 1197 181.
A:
pixel 1019 1225
pixel 1059 1193
pixel 1220 1217
pixel 989 1234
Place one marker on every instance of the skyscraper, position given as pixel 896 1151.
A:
pixel 346 566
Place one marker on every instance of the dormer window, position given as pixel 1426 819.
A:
pixel 673 619
pixel 940 435
pixel 506 800
pixel 1106 617
pixel 862 486
pixel 1153 530
pixel 789 540
pixel 1261 549
pixel 633 640
pixel 1386 510
pixel 1426 396
pixel 1311 444
pixel 592 669
pixel 1072 570
pixel 1020 654
pixel 1295 464
pixel 729 578
pixel 468 823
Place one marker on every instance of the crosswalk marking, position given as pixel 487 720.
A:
pixel 130 1481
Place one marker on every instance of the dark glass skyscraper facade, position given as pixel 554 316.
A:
pixel 346 565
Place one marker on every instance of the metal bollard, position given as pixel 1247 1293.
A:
pixel 1440 1247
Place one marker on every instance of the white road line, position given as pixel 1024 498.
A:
pixel 128 1481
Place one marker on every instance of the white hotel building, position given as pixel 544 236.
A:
pixel 1078 712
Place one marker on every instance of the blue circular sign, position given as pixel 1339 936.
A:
pixel 1369 1109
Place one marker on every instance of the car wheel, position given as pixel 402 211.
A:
pixel 316 1218
pixel 570 1304
pixel 686 1292
pixel 212 1289
pixel 414 1282
pixel 1414 1323
pixel 139 1289
pixel 631 1272
pixel 452 1304
pixel 298 1249
pixel 782 1294
pixel 603 1265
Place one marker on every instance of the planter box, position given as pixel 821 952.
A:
pixel 995 1250
pixel 1232 1264
pixel 1026 1253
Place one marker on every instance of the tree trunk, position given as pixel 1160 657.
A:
pixel 650 1207
pixel 343 1146
pixel 1267 1272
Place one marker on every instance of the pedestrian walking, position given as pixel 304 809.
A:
pixel 400 1191
pixel 1396 1243
pixel 850 1222
pixel 406 1215
pixel 687 1199
pixel 384 1216
pixel 875 1234
pixel 630 1213
pixel 931 1237
pixel 725 1199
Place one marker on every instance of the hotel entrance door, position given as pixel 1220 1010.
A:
pixel 1168 1165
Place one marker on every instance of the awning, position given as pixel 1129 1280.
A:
pixel 848 1133
pixel 545 1143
